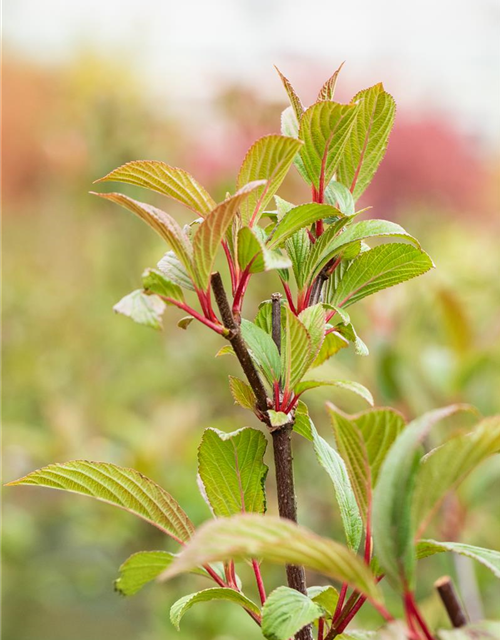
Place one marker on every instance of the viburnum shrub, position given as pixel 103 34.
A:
pixel 386 488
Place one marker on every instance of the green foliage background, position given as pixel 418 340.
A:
pixel 80 382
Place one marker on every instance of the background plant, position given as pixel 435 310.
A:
pixel 146 308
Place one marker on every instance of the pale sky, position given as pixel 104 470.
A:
pixel 441 53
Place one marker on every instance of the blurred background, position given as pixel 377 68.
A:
pixel 90 85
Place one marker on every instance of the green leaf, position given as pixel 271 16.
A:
pixel 262 349
pixel 274 540
pixel 253 253
pixel 349 385
pixel 348 331
pixel 142 308
pixel 379 428
pixel 278 418
pixel 242 393
pixel 282 206
pixel 488 557
pixel 338 195
pixel 297 218
pixel 327 91
pixel 211 232
pixel 444 468
pixel 290 127
pixel 226 350
pixel 325 128
pixel 313 318
pixel 336 468
pixel 141 568
pixel 182 605
pixel 297 248
pixel 155 282
pixel 295 102
pixel 232 471
pixel 267 159
pixel 368 140
pixel 296 351
pixel 170 181
pixel 485 630
pixel 332 344
pixel 286 611
pixel 380 268
pixel 332 244
pixel 161 222
pixel 393 528
pixel 118 486
pixel 173 269
pixel 352 448
pixel 326 596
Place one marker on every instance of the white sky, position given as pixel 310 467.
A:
pixel 441 53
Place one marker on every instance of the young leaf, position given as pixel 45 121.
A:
pixel 278 418
pixel 267 159
pixel 161 222
pixel 488 557
pixel 325 128
pixel 262 349
pixel 286 611
pixel 352 448
pixel 368 140
pixel 297 248
pixel 170 181
pixel 290 127
pixel 393 528
pixel 231 468
pixel 295 102
pixel 118 486
pixel 332 344
pixel 297 218
pixel 313 319
pixel 348 385
pixel 348 331
pixel 209 234
pixel 381 267
pixel 295 351
pixel 253 253
pixel 155 282
pixel 338 195
pixel 277 541
pixel 141 568
pixel 180 607
pixel 242 393
pixel 444 468
pixel 326 596
pixel 173 269
pixel 335 467
pixel 142 308
pixel 327 91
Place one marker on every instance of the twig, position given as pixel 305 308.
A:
pixel 451 602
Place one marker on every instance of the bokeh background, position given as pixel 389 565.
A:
pixel 88 85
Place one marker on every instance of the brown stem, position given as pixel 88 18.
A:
pixel 315 296
pixel 283 464
pixel 451 602
pixel 240 349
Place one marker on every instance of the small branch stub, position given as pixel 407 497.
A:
pixel 451 602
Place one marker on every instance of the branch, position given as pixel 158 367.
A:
pixel 451 602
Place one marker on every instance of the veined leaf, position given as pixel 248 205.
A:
pixel 253 253
pixel 393 527
pixel 379 268
pixel 209 234
pixel 352 448
pixel 170 181
pixel 231 468
pixel 277 541
pixel 295 102
pixel 287 611
pixel 182 605
pixel 161 222
pixel 119 486
pixel 338 195
pixel 290 127
pixel 313 319
pixel 282 207
pixel 173 269
pixel 485 630
pixel 332 344
pixel 155 282
pixel 349 332
pixel 368 140
pixel 444 468
pixel 326 596
pixel 141 568
pixel 278 418
pixel 297 248
pixel 379 428
pixel 262 349
pixel 297 218
pixel 348 385
pixel 267 159
pixel 242 393
pixel 142 308
pixel 488 557
pixel 325 128
pixel 336 468
pixel 327 91
pixel 295 351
